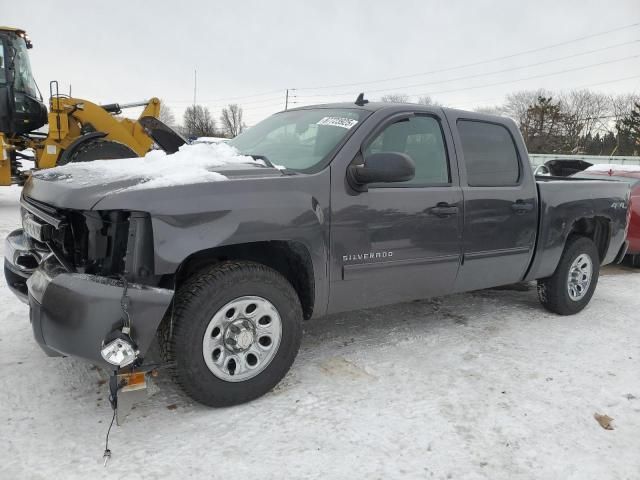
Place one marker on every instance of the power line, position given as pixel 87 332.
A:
pixel 516 80
pixel 490 102
pixel 609 81
pixel 369 82
pixel 470 102
pixel 481 62
pixel 275 106
pixel 221 99
pixel 388 89
pixel 522 79
pixel 536 76
pixel 221 105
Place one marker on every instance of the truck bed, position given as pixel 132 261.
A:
pixel 563 200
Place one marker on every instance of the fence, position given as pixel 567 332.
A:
pixel 539 159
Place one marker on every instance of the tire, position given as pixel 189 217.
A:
pixel 203 366
pixel 558 293
pixel 99 149
pixel 633 260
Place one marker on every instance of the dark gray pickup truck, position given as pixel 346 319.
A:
pixel 347 206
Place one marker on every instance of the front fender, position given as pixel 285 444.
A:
pixel 188 219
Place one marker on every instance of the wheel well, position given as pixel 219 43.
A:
pixel 595 228
pixel 291 259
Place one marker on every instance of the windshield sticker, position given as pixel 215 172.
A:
pixel 338 122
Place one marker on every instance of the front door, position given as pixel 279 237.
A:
pixel 398 241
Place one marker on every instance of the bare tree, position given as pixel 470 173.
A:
pixel 585 114
pixel 576 121
pixel 518 103
pixel 166 114
pixel 491 109
pixel 231 120
pixel 395 98
pixel 427 100
pixel 621 105
pixel 198 122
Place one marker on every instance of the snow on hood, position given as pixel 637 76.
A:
pixel 191 164
pixel 605 167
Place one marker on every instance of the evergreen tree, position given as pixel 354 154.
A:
pixel 629 132
pixel 543 126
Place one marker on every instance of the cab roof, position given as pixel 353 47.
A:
pixel 376 106
pixel 12 29
pixel 19 32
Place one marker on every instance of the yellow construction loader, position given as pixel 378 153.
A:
pixel 79 130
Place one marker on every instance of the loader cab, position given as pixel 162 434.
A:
pixel 21 107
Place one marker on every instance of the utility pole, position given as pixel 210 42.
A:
pixel 286 97
pixel 195 86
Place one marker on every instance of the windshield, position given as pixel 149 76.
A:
pixel 299 139
pixel 24 81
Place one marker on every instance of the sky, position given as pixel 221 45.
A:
pixel 249 52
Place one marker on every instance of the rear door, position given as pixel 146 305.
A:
pixel 500 201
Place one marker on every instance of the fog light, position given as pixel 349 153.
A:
pixel 119 352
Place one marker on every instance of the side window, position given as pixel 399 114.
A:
pixel 3 76
pixel 421 138
pixel 489 153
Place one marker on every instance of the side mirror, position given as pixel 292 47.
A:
pixel 385 167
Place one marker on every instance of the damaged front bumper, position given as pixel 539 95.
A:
pixel 72 313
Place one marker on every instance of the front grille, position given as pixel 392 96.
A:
pixel 91 242
pixel 44 212
pixel 58 239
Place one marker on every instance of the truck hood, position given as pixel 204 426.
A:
pixel 79 191
pixel 82 185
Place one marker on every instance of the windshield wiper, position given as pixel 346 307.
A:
pixel 269 164
pixel 266 161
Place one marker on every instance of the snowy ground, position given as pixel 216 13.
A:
pixel 482 385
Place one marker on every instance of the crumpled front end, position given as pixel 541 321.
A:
pixel 73 313
pixel 88 279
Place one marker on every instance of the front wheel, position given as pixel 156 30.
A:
pixel 571 286
pixel 237 330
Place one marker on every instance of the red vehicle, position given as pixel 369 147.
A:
pixel 631 175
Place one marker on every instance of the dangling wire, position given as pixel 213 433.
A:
pixel 107 452
pixel 124 304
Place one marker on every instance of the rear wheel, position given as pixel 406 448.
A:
pixel 571 286
pixel 237 330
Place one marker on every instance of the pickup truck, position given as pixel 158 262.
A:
pixel 338 207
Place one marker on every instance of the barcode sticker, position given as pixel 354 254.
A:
pixel 338 122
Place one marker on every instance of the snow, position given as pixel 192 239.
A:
pixel 605 167
pixel 191 164
pixel 210 140
pixel 485 385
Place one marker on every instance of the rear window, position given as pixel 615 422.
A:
pixel 490 154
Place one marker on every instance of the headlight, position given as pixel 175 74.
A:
pixel 120 351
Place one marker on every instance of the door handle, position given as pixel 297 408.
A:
pixel 520 206
pixel 443 209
